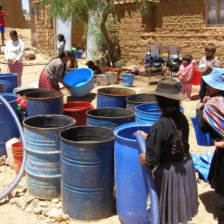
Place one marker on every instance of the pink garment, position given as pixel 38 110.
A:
pixel 186 88
pixel 186 73
pixel 45 82
pixel 16 68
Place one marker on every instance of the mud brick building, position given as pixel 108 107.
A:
pixel 189 24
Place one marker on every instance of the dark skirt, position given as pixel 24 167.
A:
pixel 177 191
pixel 216 172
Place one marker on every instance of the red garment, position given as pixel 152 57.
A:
pixel 44 82
pixel 16 68
pixel 2 18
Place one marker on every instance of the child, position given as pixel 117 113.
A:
pixel 185 75
pixel 61 45
pixel 2 23
pixel 72 64
pixel 96 69
pixel 211 62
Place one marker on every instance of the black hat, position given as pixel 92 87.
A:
pixel 168 88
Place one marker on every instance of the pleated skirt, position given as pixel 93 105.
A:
pixel 177 191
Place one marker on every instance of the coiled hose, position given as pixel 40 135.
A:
pixel 21 171
pixel 149 181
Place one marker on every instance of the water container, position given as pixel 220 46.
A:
pixel 202 138
pixel 113 97
pixel 17 152
pixel 10 81
pixel 43 102
pixel 23 90
pixel 112 76
pixel 102 79
pixel 1 87
pixel 196 77
pixel 77 110
pixel 109 117
pixel 7 124
pixel 87 162
pixel 134 100
pixel 81 80
pixel 9 151
pixel 148 112
pixel 43 153
pixel 128 79
pixel 131 194
pixel 79 54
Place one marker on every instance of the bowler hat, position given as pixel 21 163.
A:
pixel 215 79
pixel 168 88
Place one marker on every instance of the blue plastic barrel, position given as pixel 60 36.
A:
pixel 202 138
pixel 10 81
pixel 43 102
pixel 128 79
pixel 109 117
pixel 79 54
pixel 87 162
pixel 43 153
pixel 131 193
pixel 113 97
pixel 7 124
pixel 81 80
pixel 148 112
pixel 134 100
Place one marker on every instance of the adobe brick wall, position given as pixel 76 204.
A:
pixel 179 23
pixel 15 13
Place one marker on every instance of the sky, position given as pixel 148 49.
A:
pixel 25 4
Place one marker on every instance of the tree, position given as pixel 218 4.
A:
pixel 78 8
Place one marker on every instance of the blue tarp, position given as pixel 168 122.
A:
pixel 202 163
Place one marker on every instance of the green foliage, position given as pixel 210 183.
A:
pixel 121 63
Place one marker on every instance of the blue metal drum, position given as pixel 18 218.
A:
pixel 113 97
pixel 134 100
pixel 109 117
pixel 87 162
pixel 43 153
pixel 131 193
pixel 10 81
pixel 7 124
pixel 148 112
pixel 43 102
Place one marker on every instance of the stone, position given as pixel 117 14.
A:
pixel 55 200
pixel 28 209
pixel 2 160
pixel 38 210
pixel 42 204
pixel 55 213
pixel 13 201
pixel 30 55
pixel 28 199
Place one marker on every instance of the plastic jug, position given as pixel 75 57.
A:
pixel 9 151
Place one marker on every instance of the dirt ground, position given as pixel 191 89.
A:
pixel 24 208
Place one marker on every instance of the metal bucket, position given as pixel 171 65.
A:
pixel 10 81
pixel 43 153
pixel 113 97
pixel 102 79
pixel 43 102
pixel 134 100
pixel 7 124
pixel 112 77
pixel 87 162
pixel 109 117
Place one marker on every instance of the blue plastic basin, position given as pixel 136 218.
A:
pixel 81 81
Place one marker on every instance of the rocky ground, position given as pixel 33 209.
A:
pixel 21 207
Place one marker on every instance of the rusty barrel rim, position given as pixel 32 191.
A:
pixel 148 96
pixel 63 132
pixel 130 113
pixel 43 95
pixel 108 91
pixel 39 117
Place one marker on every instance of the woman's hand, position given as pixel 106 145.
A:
pixel 219 144
pixel 144 134
pixel 142 158
pixel 200 106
